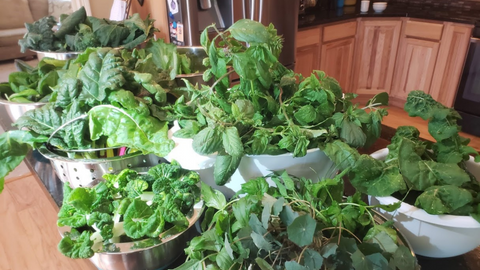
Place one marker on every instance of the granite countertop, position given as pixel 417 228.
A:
pixel 325 14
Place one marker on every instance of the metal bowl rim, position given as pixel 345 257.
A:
pixel 126 248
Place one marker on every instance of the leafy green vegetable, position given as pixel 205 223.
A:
pixel 290 225
pixel 77 32
pixel 269 111
pixel 140 206
pixel 435 171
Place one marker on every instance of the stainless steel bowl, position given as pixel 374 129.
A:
pixel 89 172
pixel 134 255
pixel 15 109
pixel 57 55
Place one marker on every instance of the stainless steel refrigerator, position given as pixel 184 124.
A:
pixel 188 18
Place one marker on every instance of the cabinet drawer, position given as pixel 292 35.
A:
pixel 308 37
pixel 338 31
pixel 424 30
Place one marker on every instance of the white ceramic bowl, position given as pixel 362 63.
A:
pixel 437 236
pixel 314 165
pixel 379 6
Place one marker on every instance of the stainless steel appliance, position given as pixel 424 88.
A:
pixel 188 18
pixel 467 101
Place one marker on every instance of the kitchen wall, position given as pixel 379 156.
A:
pixel 467 4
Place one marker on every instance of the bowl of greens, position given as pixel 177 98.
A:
pixel 272 113
pixel 431 234
pixel 132 220
pixel 295 224
pixel 435 182
pixel 30 87
pixel 76 32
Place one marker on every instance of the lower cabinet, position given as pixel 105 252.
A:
pixel 337 61
pixel 415 65
pixel 307 58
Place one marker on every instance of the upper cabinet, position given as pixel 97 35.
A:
pixel 376 51
pixel 338 48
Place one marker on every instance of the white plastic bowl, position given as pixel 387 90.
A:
pixel 314 165
pixel 379 6
pixel 437 236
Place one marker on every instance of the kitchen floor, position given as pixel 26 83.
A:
pixel 29 236
pixel 7 67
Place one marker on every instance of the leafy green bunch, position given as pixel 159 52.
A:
pixel 78 31
pixel 294 224
pixel 140 206
pixel 272 110
pixel 434 174
pixel 106 98
pixel 33 84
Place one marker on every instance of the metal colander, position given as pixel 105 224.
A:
pixel 89 172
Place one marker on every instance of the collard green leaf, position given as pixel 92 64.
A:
pixel 225 166
pixel 302 230
pixel 341 154
pixel 422 174
pixel 207 141
pixel 232 142
pixel 438 200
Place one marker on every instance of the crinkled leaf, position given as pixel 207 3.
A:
pixel 207 141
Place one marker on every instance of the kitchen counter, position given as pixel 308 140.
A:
pixel 44 173
pixel 324 15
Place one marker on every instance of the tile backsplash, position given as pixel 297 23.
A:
pixel 466 5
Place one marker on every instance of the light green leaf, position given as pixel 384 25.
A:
pixel 249 31
pixel 213 198
pixel 261 242
pixel 263 264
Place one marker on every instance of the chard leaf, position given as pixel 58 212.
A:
pixel 131 129
pixel 207 141
pixel 225 166
pixel 100 73
pixel 439 200
pixel 231 142
pixel 68 87
pixel 302 230
pixel 109 33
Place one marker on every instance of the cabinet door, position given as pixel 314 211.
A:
pixel 337 61
pixel 376 52
pixel 451 58
pixel 415 65
pixel 307 59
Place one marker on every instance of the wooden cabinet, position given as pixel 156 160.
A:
pixel 337 61
pixel 338 48
pixel 416 59
pixel 308 51
pixel 376 51
pixel 450 61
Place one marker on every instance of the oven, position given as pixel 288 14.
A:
pixel 467 100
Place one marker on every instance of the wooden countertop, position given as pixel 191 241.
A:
pixel 398 117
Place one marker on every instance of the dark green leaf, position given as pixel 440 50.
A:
pixel 293 265
pixel 231 142
pixel 225 166
pixel 301 230
pixel 207 141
